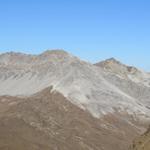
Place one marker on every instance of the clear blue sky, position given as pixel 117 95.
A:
pixel 91 29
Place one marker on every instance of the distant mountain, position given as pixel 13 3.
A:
pixel 126 72
pixel 116 96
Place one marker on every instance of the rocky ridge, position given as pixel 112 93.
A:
pixel 105 92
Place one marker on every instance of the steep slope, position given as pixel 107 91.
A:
pixel 46 120
pixel 142 143
pixel 125 72
pixel 128 79
pixel 82 83
pixel 88 105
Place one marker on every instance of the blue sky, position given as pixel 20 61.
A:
pixel 91 29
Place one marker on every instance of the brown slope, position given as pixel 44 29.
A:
pixel 143 142
pixel 48 121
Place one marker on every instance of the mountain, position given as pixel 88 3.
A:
pixel 128 79
pixel 143 142
pixel 113 97
pixel 126 72
pixel 48 120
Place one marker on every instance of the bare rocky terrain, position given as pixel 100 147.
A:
pixel 143 142
pixel 48 121
pixel 56 101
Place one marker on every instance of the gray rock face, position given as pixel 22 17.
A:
pixel 125 72
pixel 98 89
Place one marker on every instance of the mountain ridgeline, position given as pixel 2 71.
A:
pixel 57 97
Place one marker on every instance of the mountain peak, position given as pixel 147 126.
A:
pixel 54 56
pixel 22 58
pixel 126 72
pixel 56 52
pixel 45 53
pixel 116 66
pixel 111 62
